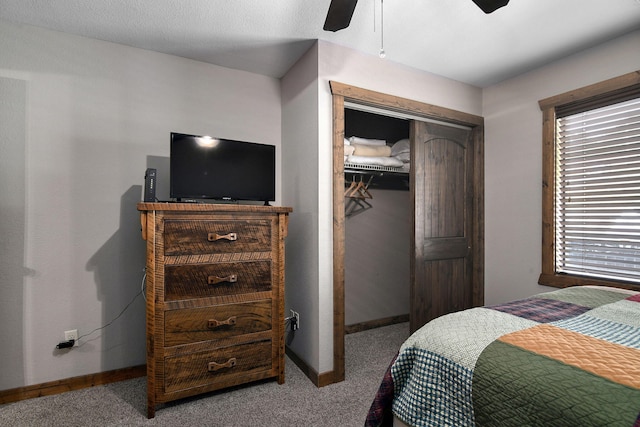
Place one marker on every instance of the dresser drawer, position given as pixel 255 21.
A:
pixel 190 325
pixel 223 364
pixel 187 281
pixel 193 237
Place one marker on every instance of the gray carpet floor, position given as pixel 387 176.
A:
pixel 297 402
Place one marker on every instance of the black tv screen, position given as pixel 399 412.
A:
pixel 203 167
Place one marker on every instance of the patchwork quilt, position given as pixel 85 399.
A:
pixel 570 357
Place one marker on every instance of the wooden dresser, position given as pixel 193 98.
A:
pixel 215 296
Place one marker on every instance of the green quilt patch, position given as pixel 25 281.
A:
pixel 515 387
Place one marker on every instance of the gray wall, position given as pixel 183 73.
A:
pixel 81 120
pixel 300 189
pixel 377 258
pixel 513 161
pixel 13 98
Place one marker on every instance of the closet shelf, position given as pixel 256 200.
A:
pixel 359 168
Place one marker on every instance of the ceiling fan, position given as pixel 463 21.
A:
pixel 341 11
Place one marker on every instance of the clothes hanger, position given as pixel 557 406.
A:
pixel 362 188
pixel 349 191
pixel 357 202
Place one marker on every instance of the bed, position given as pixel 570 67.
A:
pixel 569 357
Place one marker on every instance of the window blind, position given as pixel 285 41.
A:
pixel 597 192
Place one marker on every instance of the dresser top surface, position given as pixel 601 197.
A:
pixel 210 207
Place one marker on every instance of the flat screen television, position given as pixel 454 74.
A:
pixel 202 167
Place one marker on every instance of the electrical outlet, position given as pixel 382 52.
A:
pixel 71 335
pixel 295 320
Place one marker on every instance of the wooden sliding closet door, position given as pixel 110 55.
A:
pixel 442 193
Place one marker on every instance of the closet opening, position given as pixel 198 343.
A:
pixel 377 225
pixel 446 145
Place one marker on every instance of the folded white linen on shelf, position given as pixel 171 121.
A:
pixel 349 149
pixel 371 150
pixel 379 161
pixel 366 141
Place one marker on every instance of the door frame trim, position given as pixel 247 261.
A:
pixel 342 93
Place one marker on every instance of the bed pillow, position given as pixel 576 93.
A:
pixel 400 147
pixel 379 161
pixel 404 157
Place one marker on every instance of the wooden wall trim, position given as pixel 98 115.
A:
pixel 319 380
pixel 616 83
pixel 404 105
pixel 338 239
pixel 70 384
pixel 548 192
pixel 378 323
pixel 478 221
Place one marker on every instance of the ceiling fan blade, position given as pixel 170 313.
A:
pixel 339 14
pixel 489 6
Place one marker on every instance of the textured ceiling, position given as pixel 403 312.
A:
pixel 452 38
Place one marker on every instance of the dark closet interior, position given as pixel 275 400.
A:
pixel 376 126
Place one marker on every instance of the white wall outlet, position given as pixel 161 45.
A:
pixel 71 335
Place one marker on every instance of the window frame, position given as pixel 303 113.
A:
pixel 580 99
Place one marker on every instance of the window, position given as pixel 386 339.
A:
pixel 591 185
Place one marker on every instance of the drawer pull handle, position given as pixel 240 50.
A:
pixel 214 280
pixel 213 366
pixel 214 323
pixel 212 237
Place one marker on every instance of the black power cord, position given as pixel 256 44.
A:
pixel 70 343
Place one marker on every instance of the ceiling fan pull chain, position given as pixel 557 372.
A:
pixel 374 15
pixel 382 52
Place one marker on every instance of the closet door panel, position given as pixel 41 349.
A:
pixel 442 194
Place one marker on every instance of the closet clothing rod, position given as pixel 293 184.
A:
pixel 384 180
